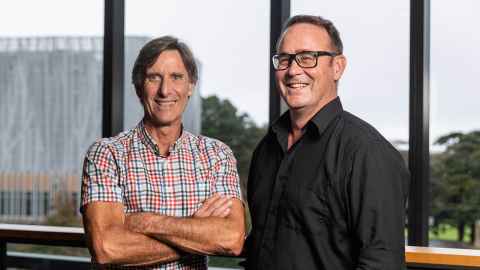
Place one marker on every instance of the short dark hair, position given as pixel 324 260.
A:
pixel 318 21
pixel 149 54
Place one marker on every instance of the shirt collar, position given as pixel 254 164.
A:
pixel 281 127
pixel 322 118
pixel 147 139
pixel 319 121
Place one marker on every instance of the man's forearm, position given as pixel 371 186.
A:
pixel 207 235
pixel 211 235
pixel 121 246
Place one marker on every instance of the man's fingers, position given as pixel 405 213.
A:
pixel 208 202
pixel 205 209
pixel 216 205
pixel 225 212
pixel 220 203
pixel 223 209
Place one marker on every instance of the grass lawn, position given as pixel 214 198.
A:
pixel 446 233
pixel 449 233
pixel 224 262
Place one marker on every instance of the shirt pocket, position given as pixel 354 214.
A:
pixel 306 208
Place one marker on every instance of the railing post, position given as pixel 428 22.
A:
pixel 3 255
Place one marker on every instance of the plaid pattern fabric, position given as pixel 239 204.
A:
pixel 128 169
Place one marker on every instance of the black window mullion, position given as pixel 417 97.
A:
pixel 419 152
pixel 113 67
pixel 279 14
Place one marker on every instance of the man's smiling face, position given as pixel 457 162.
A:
pixel 167 88
pixel 308 89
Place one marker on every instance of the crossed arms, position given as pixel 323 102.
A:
pixel 218 227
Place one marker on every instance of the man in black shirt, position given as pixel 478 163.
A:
pixel 325 190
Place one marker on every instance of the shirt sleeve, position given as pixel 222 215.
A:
pixel 100 180
pixel 227 181
pixel 377 190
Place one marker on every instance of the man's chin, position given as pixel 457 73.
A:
pixel 296 104
pixel 160 121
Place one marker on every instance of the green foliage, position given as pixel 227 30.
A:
pixel 221 120
pixel 456 180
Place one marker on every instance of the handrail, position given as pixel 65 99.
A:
pixel 442 256
pixel 74 237
pixel 42 235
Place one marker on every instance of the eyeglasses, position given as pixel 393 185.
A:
pixel 305 59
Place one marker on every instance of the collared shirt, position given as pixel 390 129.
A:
pixel 129 169
pixel 335 200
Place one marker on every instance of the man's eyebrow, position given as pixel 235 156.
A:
pixel 153 73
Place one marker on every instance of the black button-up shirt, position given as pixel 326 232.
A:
pixel 335 200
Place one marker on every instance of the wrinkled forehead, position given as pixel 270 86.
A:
pixel 304 37
pixel 171 59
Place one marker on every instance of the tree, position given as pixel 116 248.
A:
pixel 221 120
pixel 456 182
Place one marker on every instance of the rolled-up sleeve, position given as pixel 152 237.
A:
pixel 377 188
pixel 100 181
pixel 226 179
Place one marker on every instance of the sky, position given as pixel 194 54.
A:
pixel 231 40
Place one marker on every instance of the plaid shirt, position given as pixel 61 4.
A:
pixel 128 169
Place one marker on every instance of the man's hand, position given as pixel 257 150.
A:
pixel 215 206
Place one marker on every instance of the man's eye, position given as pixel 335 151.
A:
pixel 154 77
pixel 177 76
pixel 283 59
pixel 306 57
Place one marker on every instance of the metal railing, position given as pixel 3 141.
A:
pixel 41 235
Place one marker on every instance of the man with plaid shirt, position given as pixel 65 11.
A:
pixel 157 196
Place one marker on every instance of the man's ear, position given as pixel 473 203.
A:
pixel 191 86
pixel 139 93
pixel 339 65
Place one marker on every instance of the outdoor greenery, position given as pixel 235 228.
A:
pixel 221 120
pixel 456 183
pixel 445 232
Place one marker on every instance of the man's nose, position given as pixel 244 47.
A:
pixel 294 68
pixel 163 88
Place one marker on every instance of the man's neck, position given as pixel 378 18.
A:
pixel 299 118
pixel 163 136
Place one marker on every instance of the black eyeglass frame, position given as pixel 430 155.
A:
pixel 292 56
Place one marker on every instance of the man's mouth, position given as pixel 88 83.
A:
pixel 163 103
pixel 296 85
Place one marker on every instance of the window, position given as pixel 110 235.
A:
pixel 50 105
pixel 455 129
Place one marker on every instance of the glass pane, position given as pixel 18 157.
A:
pixel 50 107
pixel 231 43
pixel 455 128
pixel 375 84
